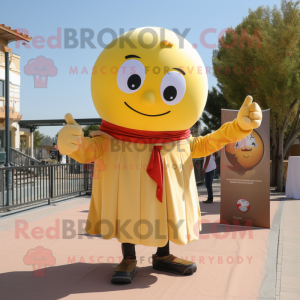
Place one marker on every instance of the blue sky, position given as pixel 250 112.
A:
pixel 71 93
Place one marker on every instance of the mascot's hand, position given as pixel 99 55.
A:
pixel 249 116
pixel 70 136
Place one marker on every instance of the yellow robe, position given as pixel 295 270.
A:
pixel 124 203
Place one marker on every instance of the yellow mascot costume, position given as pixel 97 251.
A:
pixel 149 86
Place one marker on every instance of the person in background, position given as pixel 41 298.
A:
pixel 58 153
pixel 209 166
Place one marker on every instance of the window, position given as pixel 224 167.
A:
pixel 1 88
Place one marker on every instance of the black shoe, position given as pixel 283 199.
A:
pixel 125 272
pixel 208 201
pixel 173 264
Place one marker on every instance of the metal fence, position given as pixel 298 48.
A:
pixel 89 169
pixel 38 153
pixel 26 151
pixel 41 183
pixel 22 186
pixel 19 158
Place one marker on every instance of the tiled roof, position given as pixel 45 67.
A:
pixel 9 34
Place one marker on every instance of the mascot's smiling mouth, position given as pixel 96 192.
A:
pixel 245 156
pixel 146 114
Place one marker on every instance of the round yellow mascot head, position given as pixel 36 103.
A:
pixel 150 79
pixel 246 153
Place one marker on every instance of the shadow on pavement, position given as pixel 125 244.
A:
pixel 210 208
pixel 77 278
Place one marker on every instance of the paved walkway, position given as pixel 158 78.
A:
pixel 241 264
pixel 288 266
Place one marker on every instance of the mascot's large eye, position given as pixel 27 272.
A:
pixel 172 88
pixel 131 76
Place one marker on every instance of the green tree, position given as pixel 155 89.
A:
pixel 37 138
pixel 88 129
pixel 261 57
pixel 211 115
pixel 47 141
pixel 196 129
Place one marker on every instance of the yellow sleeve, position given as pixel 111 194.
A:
pixel 228 133
pixel 90 149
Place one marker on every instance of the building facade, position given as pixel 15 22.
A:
pixel 8 35
pixel 17 136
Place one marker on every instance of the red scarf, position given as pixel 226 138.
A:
pixel 155 166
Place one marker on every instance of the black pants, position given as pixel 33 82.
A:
pixel 128 250
pixel 209 178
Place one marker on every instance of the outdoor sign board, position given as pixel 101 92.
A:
pixel 245 176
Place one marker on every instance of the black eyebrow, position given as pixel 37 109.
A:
pixel 131 56
pixel 183 73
